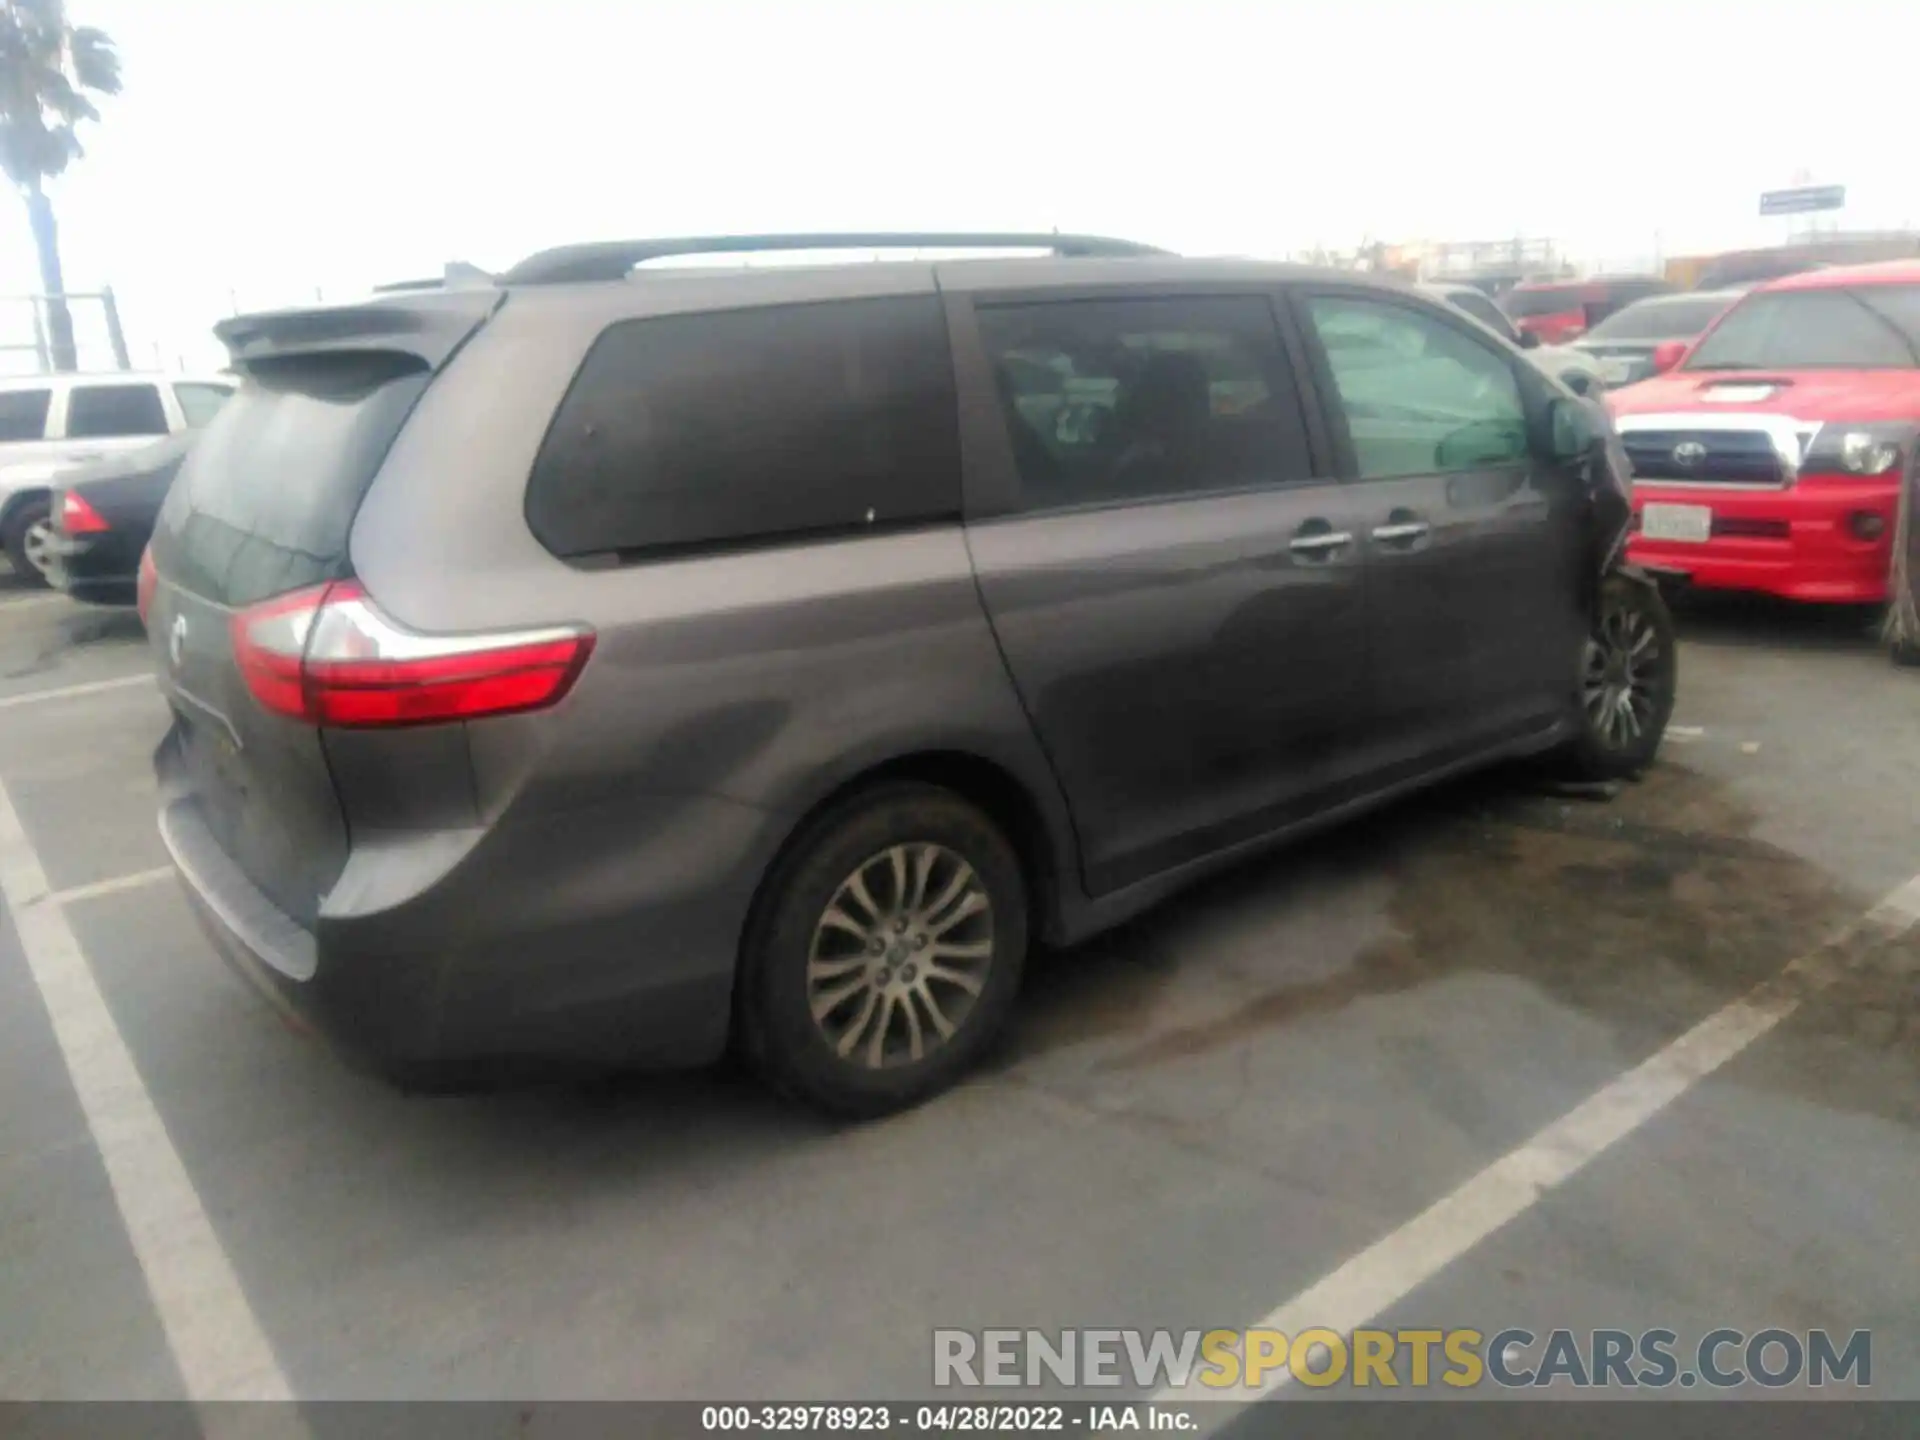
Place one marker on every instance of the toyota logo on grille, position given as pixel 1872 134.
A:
pixel 1689 453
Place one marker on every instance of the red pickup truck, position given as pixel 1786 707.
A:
pixel 1769 453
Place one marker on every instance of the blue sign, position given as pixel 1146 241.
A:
pixel 1803 199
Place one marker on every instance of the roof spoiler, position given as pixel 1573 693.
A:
pixel 429 324
pixel 611 260
pixel 458 274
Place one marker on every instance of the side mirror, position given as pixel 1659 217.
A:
pixel 1667 354
pixel 1570 423
pixel 1529 340
pixel 1578 381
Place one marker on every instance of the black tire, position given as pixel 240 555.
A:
pixel 779 1033
pixel 1609 748
pixel 24 518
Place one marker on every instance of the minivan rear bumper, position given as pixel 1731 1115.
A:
pixel 450 1017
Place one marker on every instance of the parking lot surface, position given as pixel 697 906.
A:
pixel 1198 1120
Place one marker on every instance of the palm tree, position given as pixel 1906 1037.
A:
pixel 47 69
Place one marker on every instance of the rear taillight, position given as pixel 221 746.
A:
pixel 330 657
pixel 149 579
pixel 77 517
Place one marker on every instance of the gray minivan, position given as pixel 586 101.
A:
pixel 605 661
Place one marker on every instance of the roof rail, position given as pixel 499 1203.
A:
pixel 611 260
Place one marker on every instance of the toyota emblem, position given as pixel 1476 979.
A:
pixel 176 640
pixel 1689 453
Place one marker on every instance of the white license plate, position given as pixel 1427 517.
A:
pixel 1691 523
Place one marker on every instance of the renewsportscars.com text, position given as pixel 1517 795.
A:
pixel 1516 1357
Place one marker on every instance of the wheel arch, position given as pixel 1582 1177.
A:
pixel 1045 854
pixel 12 504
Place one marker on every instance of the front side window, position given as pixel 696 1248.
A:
pixel 1418 395
pixel 23 415
pixel 1863 327
pixel 114 412
pixel 741 426
pixel 1144 398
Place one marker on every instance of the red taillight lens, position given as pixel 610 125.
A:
pixel 329 656
pixel 77 517
pixel 149 580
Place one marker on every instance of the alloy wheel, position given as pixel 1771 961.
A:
pixel 900 955
pixel 1620 676
pixel 37 545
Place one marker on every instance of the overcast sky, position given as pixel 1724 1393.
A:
pixel 269 147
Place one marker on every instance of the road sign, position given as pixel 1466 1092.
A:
pixel 1802 199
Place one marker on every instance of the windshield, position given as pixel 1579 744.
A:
pixel 1663 319
pixel 1559 300
pixel 1867 327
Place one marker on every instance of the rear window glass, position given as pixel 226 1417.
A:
pixel 114 412
pixel 23 414
pixel 1481 309
pixel 200 402
pixel 731 427
pixel 266 499
pixel 1561 300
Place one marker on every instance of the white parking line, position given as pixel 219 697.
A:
pixel 64 692
pixel 97 888
pixel 217 1343
pixel 1394 1266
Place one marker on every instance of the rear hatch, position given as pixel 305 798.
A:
pixel 262 509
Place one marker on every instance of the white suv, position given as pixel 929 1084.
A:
pixel 49 423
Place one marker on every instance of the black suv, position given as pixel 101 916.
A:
pixel 599 662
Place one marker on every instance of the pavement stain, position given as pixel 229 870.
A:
pixel 36 646
pixel 1647 911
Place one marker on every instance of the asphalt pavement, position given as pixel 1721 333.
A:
pixel 1300 1092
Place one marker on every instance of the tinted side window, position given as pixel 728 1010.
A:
pixel 724 427
pixel 23 414
pixel 1150 397
pixel 112 412
pixel 1418 394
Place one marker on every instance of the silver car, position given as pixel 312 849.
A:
pixel 51 423
pixel 1577 370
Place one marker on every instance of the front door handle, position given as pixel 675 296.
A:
pixel 1320 542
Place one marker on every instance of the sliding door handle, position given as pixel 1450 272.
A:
pixel 1320 542
pixel 1401 532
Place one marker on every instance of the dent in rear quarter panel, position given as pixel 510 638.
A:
pixel 623 834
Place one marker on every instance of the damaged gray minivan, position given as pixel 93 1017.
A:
pixel 599 662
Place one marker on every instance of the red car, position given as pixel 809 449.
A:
pixel 1769 454
pixel 1562 310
